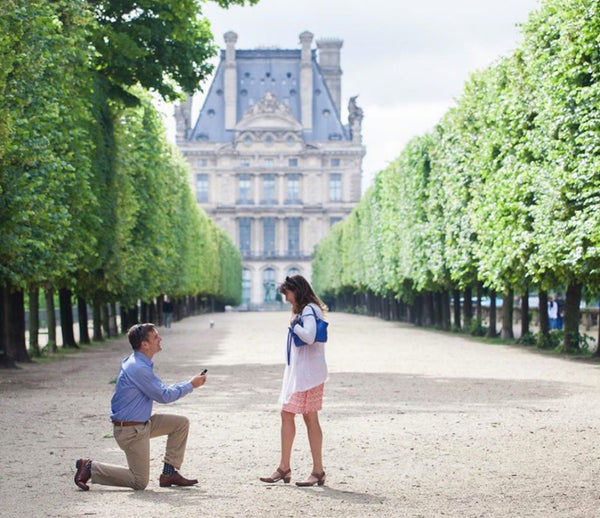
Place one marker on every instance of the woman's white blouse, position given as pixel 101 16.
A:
pixel 307 368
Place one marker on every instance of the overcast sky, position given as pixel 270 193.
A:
pixel 407 60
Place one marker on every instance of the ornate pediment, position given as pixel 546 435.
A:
pixel 268 114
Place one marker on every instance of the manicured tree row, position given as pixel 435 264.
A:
pixel 502 196
pixel 94 203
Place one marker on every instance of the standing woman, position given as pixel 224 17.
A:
pixel 303 380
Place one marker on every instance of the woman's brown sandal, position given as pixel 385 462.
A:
pixel 278 475
pixel 319 479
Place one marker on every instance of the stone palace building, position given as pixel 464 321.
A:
pixel 272 162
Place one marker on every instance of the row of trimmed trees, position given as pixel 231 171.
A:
pixel 94 203
pixel 502 196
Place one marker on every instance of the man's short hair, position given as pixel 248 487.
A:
pixel 138 333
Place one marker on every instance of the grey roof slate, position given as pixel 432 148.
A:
pixel 268 70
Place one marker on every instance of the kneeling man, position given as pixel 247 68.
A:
pixel 134 425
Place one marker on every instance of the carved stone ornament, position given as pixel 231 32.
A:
pixel 268 113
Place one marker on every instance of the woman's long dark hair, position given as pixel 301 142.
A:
pixel 303 291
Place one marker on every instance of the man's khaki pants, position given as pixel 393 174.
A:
pixel 135 442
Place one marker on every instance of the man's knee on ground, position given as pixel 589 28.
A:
pixel 140 484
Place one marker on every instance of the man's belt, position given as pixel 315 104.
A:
pixel 128 423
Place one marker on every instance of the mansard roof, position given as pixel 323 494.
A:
pixel 262 72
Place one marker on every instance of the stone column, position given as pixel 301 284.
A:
pixel 230 80
pixel 329 62
pixel 306 80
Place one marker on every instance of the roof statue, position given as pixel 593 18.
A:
pixel 355 117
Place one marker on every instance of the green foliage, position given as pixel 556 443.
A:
pixel 505 191
pixel 528 339
pixel 161 45
pixel 92 197
pixel 44 156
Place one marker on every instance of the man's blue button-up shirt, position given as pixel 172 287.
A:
pixel 137 388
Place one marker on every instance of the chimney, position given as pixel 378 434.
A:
pixel 183 118
pixel 329 61
pixel 230 81
pixel 306 80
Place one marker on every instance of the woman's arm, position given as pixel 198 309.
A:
pixel 308 330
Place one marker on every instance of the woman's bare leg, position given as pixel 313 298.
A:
pixel 288 433
pixel 315 439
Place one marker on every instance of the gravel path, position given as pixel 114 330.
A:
pixel 416 424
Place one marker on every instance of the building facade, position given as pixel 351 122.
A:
pixel 272 163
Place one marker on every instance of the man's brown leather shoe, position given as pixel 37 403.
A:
pixel 83 474
pixel 175 480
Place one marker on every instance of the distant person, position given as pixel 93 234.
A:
pixel 560 306
pixel 134 425
pixel 303 380
pixel 552 313
pixel 167 310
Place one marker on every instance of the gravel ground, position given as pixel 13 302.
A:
pixel 416 424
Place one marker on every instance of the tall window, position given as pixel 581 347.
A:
pixel 333 220
pixel 244 228
pixel 269 236
pixel 244 194
pixel 269 197
pixel 293 225
pixel 246 285
pixel 335 187
pixel 269 285
pixel 202 188
pixel 293 188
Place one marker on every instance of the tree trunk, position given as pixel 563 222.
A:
pixel 478 308
pixel 17 348
pixel 84 335
pixel 438 318
pixel 6 358
pixel 51 319
pixel 468 304
pixel 34 321
pixel 492 332
pixel 105 319
pixel 428 309
pixel 525 314
pixel 456 303
pixel 153 313
pixel 145 313
pixel 97 318
pixel 445 300
pixel 113 318
pixel 66 317
pixel 507 315
pixel 596 352
pixel 544 333
pixel 571 339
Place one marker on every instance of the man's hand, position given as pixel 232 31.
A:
pixel 198 380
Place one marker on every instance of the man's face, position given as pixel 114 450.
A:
pixel 151 345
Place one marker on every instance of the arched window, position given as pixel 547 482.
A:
pixel 293 271
pixel 269 285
